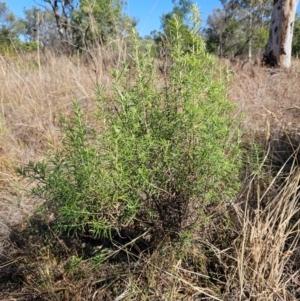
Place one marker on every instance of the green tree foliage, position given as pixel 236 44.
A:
pixel 84 23
pixel 240 28
pixel 8 29
pixel 160 156
pixel 296 37
pixel 38 26
pixel 223 32
pixel 99 21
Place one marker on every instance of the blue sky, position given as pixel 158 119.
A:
pixel 148 12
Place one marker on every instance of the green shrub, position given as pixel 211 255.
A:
pixel 12 49
pixel 164 147
pixel 28 46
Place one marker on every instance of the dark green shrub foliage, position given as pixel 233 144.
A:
pixel 168 145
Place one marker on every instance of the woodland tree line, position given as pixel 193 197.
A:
pixel 239 29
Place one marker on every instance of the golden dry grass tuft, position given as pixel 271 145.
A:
pixel 266 252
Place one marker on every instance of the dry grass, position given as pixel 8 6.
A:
pixel 33 95
pixel 266 252
pixel 268 98
pixel 253 255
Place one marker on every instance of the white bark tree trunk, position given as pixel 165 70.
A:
pixel 278 50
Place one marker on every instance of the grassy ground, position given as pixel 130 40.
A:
pixel 249 251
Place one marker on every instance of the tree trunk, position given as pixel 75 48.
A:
pixel 278 50
pixel 250 33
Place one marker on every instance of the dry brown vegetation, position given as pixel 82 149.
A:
pixel 32 97
pixel 249 253
pixel 269 98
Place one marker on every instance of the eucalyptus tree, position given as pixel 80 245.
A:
pixel 239 27
pixel 8 26
pixel 222 34
pixel 39 25
pixel 278 50
pixel 99 20
pixel 62 11
pixel 84 23
pixel 257 14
